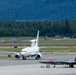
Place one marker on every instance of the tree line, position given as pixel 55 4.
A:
pixel 46 27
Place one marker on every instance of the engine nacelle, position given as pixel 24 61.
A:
pixel 17 55
pixel 38 56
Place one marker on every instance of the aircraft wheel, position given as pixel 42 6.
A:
pixel 23 57
pixel 54 66
pixel 71 66
pixel 37 58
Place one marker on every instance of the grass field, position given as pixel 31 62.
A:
pixel 42 49
pixel 24 41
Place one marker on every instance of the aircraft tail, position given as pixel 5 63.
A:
pixel 34 42
pixel 37 39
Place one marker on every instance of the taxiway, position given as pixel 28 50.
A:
pixel 12 66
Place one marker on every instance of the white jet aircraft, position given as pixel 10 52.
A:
pixel 30 51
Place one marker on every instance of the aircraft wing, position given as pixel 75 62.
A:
pixel 52 62
pixel 57 62
pixel 33 54
pixel 69 62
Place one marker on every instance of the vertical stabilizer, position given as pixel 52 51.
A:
pixel 37 39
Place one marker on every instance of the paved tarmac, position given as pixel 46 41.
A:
pixel 35 69
pixel 12 66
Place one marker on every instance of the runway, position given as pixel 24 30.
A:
pixel 12 66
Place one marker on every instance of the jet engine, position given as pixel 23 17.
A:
pixel 38 56
pixel 17 55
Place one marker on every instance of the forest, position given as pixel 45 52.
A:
pixel 20 28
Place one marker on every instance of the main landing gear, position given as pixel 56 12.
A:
pixel 23 57
pixel 71 66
